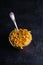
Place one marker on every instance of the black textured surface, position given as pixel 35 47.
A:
pixel 29 14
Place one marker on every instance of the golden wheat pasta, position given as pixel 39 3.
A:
pixel 21 37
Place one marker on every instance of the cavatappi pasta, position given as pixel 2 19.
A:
pixel 20 38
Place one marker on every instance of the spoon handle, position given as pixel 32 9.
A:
pixel 13 19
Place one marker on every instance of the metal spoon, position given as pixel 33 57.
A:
pixel 12 16
pixel 14 21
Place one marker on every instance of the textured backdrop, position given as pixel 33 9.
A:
pixel 29 14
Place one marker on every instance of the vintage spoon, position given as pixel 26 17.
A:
pixel 12 16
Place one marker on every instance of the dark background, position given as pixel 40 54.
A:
pixel 29 14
